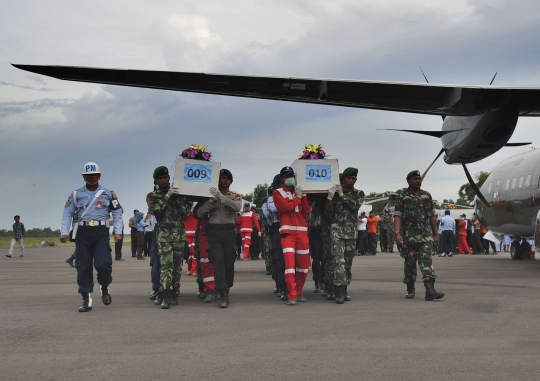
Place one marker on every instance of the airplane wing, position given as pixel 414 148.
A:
pixel 422 98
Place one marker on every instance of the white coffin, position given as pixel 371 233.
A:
pixel 195 177
pixel 316 176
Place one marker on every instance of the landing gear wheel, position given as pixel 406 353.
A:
pixel 516 250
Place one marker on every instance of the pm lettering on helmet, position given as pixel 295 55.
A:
pixel 90 168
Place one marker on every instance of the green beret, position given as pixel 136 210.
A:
pixel 350 171
pixel 264 200
pixel 341 177
pixel 161 171
pixel 413 173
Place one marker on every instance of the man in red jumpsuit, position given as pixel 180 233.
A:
pixel 463 246
pixel 207 269
pixel 190 224
pixel 293 209
pixel 246 221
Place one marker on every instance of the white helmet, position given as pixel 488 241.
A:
pixel 91 168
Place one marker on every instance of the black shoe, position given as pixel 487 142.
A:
pixel 339 294
pixel 105 296
pixel 330 291
pixel 431 293
pixel 410 291
pixel 223 302
pixel 87 303
pixel 119 259
pixel 276 290
pixel 159 299
pixel 174 296
pixel 154 294
pixel 317 289
pixel 268 270
pixel 285 293
pixel 141 259
pixel 166 302
pixel 70 260
pixel 346 296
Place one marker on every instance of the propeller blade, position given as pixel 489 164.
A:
pixel 516 144
pixel 493 78
pixel 433 162
pixel 423 74
pixel 474 187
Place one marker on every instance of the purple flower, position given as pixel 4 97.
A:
pixel 313 156
pixel 206 155
pixel 322 153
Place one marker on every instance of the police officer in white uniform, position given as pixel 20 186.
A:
pixel 91 204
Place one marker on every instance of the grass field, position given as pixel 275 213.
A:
pixel 36 242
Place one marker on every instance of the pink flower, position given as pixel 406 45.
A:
pixel 206 155
pixel 313 156
pixel 322 153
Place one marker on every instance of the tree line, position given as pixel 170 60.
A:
pixel 36 232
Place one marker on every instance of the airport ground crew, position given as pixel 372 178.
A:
pixel 169 208
pixel 293 210
pixel 201 250
pixel 342 210
pixel 415 223
pixel 246 221
pixel 91 204
pixel 222 209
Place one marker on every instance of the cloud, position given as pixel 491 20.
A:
pixel 45 89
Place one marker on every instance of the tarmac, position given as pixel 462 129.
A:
pixel 485 328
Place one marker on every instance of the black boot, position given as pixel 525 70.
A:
pixel 285 294
pixel 346 296
pixel 410 291
pixel 339 294
pixel 317 289
pixel 268 270
pixel 174 296
pixel 87 302
pixel 201 289
pixel 227 296
pixel 70 260
pixel 223 301
pixel 154 294
pixel 330 291
pixel 159 299
pixel 166 302
pixel 431 293
pixel 105 296
pixel 324 289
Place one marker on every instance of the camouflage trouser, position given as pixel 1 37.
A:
pixel 327 262
pixel 390 238
pixel 383 238
pixel 421 253
pixel 343 253
pixel 266 249
pixel 170 256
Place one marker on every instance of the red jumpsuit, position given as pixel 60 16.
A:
pixel 207 269
pixel 246 222
pixel 463 246
pixel 293 212
pixel 190 224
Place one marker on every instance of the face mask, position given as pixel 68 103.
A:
pixel 289 182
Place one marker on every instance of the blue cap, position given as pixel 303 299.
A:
pixel 276 181
pixel 447 211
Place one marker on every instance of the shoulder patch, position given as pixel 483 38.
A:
pixel 68 203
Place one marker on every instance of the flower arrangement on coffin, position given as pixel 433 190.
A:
pixel 313 152
pixel 196 152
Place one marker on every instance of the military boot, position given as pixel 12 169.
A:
pixel 324 289
pixel 227 296
pixel 279 290
pixel 166 302
pixel 339 294
pixel 70 260
pixel 410 291
pixel 87 302
pixel 223 301
pixel 346 296
pixel 317 289
pixel 105 295
pixel 210 297
pixel 174 296
pixel 268 270
pixel 431 293
pixel 201 290
pixel 330 292
pixel 154 294
pixel 159 299
pixel 284 296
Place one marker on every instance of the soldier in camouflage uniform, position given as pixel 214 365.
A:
pixel 390 232
pixel 265 239
pixel 343 212
pixel 327 261
pixel 415 223
pixel 169 209
pixel 383 232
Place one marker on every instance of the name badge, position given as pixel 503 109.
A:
pixel 198 173
pixel 318 173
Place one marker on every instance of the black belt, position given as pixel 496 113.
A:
pixel 220 227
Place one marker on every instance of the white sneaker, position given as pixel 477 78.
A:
pixel 451 254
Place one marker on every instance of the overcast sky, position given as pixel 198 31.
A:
pixel 50 128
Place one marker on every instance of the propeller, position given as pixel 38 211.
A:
pixel 475 187
pixel 516 144
pixel 433 162
pixel 435 134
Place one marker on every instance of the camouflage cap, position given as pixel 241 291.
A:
pixel 416 172
pixel 161 171
pixel 350 171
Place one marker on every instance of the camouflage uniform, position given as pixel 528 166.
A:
pixel 416 211
pixel 265 241
pixel 170 234
pixel 383 232
pixel 390 233
pixel 327 262
pixel 343 212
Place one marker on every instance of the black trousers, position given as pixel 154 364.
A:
pixel 93 250
pixel 147 243
pixel 222 255
pixel 155 262
pixel 315 251
pixel 133 242
pixel 361 242
pixel 255 248
pixel 447 241
pixel 118 247
pixel 372 243
pixel 278 253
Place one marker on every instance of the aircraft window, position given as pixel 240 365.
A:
pixel 489 188
pixel 521 182
pixel 508 184
pixel 514 183
pixel 528 181
pixel 498 182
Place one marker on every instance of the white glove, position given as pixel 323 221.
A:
pixel 332 191
pixel 298 191
pixel 259 234
pixel 171 191
pixel 215 192
pixel 340 190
